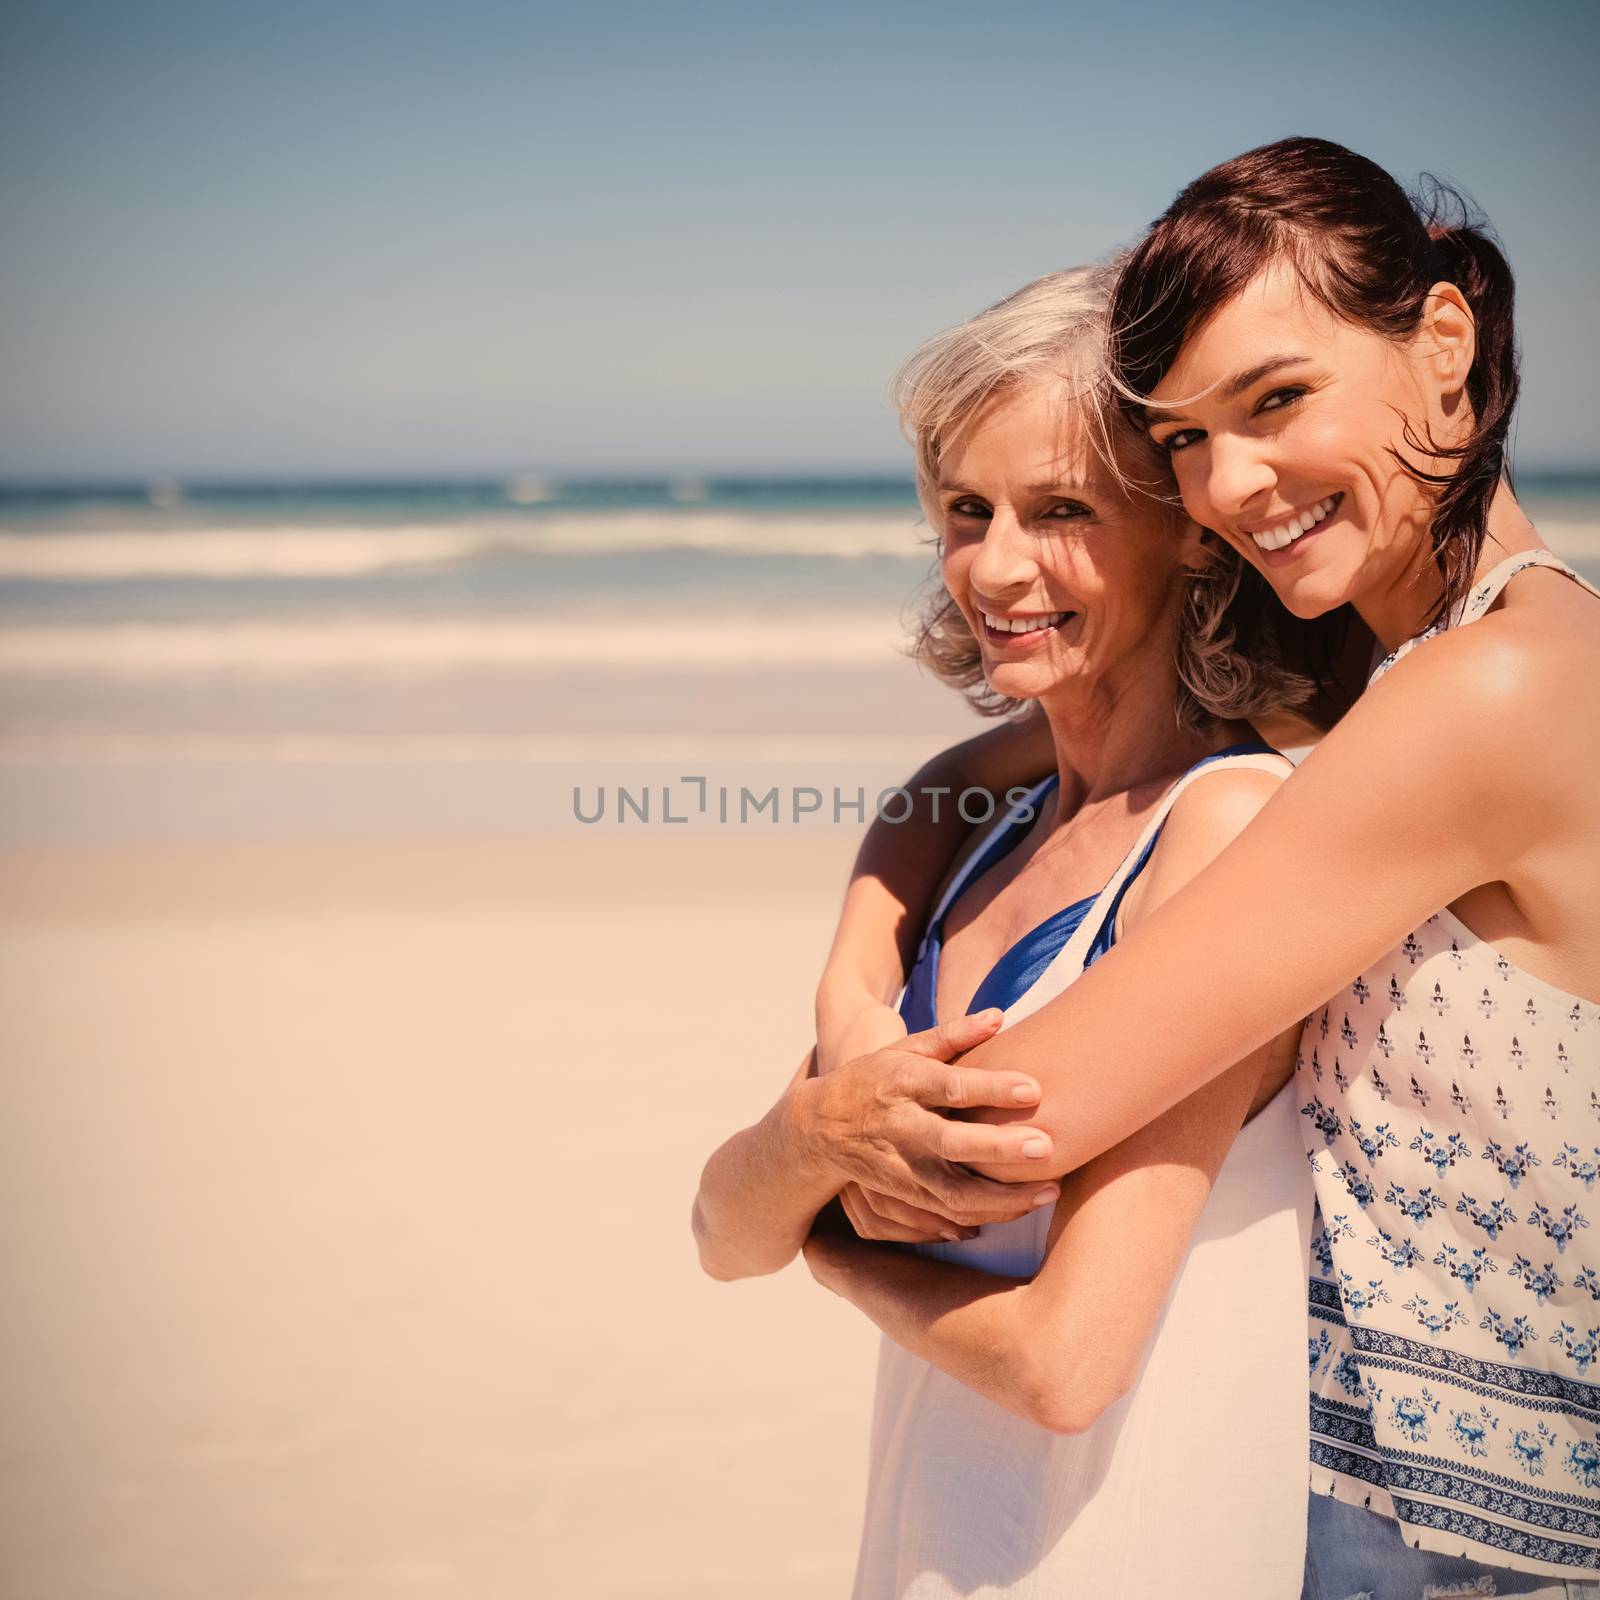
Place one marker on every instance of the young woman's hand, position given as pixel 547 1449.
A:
pixel 874 1122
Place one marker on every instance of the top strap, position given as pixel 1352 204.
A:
pixel 1480 598
pixel 1070 959
pixel 981 859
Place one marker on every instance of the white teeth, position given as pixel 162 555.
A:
pixel 1287 532
pixel 1024 624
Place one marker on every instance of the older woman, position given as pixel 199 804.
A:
pixel 1045 1377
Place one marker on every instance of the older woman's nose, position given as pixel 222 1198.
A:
pixel 1006 559
pixel 1238 473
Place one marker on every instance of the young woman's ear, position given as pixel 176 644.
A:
pixel 1446 341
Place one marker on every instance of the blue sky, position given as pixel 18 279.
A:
pixel 340 238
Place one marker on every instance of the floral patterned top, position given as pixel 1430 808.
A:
pixel 1450 1104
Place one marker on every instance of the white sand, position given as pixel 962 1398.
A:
pixel 345 1211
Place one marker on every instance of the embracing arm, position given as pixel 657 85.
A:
pixel 896 872
pixel 1452 771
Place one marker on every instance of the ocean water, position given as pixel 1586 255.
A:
pixel 177 636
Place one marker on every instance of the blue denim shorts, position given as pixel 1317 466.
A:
pixel 1354 1554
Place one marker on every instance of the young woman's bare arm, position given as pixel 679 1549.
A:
pixel 1471 762
pixel 897 871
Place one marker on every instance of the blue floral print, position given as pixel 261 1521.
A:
pixel 1451 1115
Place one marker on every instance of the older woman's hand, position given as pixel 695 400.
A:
pixel 874 1122
pixel 878 1216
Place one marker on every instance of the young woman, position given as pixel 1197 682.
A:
pixel 1023 1409
pixel 1331 371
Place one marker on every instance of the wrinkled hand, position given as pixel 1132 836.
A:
pixel 881 1216
pixel 873 1122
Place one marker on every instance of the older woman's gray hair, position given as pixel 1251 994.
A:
pixel 1231 656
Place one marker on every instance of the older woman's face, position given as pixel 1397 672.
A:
pixel 1038 535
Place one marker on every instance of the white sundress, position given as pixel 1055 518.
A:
pixel 1450 1105
pixel 1186 1486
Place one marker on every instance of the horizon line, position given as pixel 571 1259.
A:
pixel 553 477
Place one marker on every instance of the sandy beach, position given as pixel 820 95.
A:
pixel 346 1220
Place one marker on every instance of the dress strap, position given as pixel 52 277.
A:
pixel 1071 958
pixel 985 856
pixel 1482 595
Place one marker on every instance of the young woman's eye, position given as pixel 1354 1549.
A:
pixel 1180 440
pixel 1279 398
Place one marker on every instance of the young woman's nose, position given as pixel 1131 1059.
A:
pixel 1006 560
pixel 1237 475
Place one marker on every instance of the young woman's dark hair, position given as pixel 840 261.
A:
pixel 1369 251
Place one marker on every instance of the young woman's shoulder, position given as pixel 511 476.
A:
pixel 1547 626
pixel 1518 681
pixel 1487 728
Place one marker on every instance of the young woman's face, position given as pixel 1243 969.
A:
pixel 1039 534
pixel 1288 454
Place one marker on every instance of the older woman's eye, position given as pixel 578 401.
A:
pixel 967 508
pixel 1071 508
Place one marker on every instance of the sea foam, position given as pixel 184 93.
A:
pixel 439 644
pixel 334 551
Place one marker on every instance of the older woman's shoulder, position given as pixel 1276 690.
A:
pixel 1214 808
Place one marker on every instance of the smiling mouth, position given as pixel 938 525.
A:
pixel 1023 630
pixel 1283 534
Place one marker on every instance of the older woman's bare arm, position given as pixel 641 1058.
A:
pixel 898 870
pixel 1058 1348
